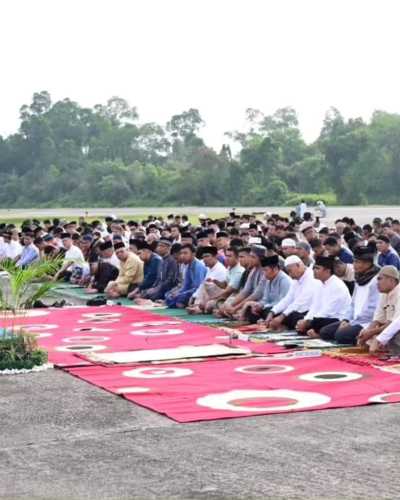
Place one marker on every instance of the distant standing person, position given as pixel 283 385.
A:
pixel 301 209
pixel 321 207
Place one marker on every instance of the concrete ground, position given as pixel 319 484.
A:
pixel 63 438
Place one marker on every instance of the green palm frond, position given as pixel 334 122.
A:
pixel 23 292
pixel 39 293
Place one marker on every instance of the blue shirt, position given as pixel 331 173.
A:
pixel 390 258
pixel 167 278
pixel 194 275
pixel 345 256
pixel 29 255
pixel 364 302
pixel 151 271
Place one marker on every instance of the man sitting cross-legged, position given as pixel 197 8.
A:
pixel 295 305
pixel 130 273
pixel 388 309
pixel 250 291
pixel 231 284
pixel 223 305
pixel 151 270
pixel 168 276
pixel 364 300
pixel 209 289
pixel 276 286
pixel 332 302
pixel 194 274
pixel 388 340
pixel 73 259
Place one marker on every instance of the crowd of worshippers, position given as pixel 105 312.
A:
pixel 336 283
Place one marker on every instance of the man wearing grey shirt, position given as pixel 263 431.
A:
pixel 250 291
pixel 275 287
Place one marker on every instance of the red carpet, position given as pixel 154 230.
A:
pixel 208 390
pixel 66 332
pixel 237 388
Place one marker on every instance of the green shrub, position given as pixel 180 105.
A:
pixel 311 199
pixel 19 351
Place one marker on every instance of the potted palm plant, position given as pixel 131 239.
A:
pixel 19 290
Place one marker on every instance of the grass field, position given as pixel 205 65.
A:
pixel 136 217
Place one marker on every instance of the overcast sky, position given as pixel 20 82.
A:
pixel 221 56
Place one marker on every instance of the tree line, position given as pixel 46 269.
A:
pixel 67 155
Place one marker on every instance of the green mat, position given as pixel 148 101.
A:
pixel 76 292
pixel 68 290
pixel 192 318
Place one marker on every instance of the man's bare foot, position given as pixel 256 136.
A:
pixel 91 290
pixel 143 302
pixel 312 334
pixel 194 310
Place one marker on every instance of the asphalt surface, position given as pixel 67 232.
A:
pixel 63 438
pixel 362 214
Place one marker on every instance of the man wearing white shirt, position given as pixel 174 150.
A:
pixel 231 285
pixel 301 209
pixel 13 246
pixel 295 305
pixel 73 258
pixel 3 247
pixel 330 305
pixel 364 300
pixel 209 289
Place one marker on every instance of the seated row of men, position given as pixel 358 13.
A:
pixel 327 283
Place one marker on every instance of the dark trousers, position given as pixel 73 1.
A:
pixel 65 275
pixel 106 272
pixel 346 335
pixel 291 320
pixel 254 317
pixel 350 285
pixel 318 323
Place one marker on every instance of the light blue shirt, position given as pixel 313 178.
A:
pixel 275 290
pixel 234 276
pixel 29 255
pixel 364 302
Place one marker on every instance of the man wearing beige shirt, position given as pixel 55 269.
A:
pixel 130 273
pixel 388 307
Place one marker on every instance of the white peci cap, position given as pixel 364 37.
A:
pixel 291 260
pixel 288 243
